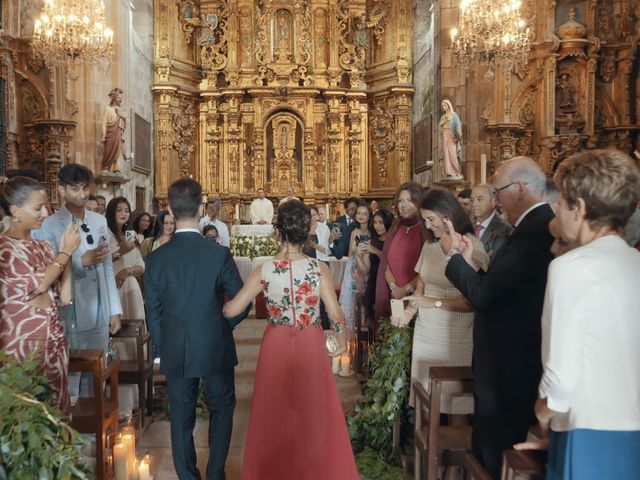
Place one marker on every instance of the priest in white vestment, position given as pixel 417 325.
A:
pixel 261 209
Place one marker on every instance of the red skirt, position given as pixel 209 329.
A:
pixel 297 429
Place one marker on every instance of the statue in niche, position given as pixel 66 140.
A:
pixel 283 36
pixel 451 132
pixel 114 123
pixel 360 37
pixel 566 93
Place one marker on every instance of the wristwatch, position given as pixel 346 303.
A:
pixel 393 286
pixel 438 304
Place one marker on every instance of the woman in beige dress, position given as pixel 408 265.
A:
pixel 163 230
pixel 444 326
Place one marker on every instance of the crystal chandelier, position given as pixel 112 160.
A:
pixel 71 32
pixel 493 33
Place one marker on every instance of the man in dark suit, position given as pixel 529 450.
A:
pixel 490 229
pixel 185 282
pixel 346 224
pixel 508 301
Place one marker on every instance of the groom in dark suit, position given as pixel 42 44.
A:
pixel 508 301
pixel 185 282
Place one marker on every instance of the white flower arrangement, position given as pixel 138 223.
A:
pixel 254 246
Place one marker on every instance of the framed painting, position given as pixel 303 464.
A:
pixel 141 143
pixel 422 144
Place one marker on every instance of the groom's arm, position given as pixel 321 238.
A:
pixel 154 309
pixel 232 284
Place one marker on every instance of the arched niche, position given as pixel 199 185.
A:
pixel 283 152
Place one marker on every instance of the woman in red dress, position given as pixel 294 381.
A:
pixel 297 429
pixel 32 279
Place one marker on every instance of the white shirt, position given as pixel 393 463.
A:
pixel 323 240
pixel 223 231
pixel 261 209
pixel 590 337
pixel 193 230
pixel 532 207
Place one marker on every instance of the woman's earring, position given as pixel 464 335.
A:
pixel 17 219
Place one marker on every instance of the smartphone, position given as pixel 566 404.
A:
pixel 362 238
pixel 397 308
pixel 129 234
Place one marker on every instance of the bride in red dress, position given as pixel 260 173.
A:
pixel 32 280
pixel 297 429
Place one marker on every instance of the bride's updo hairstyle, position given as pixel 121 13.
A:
pixel 294 221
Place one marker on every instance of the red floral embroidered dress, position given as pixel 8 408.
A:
pixel 26 330
pixel 297 429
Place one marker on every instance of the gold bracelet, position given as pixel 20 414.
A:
pixel 64 253
pixel 59 265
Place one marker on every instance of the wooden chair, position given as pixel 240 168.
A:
pixel 97 414
pixel 432 441
pixel 523 465
pixel 139 370
pixel 364 339
pixel 470 466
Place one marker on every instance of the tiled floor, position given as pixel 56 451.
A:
pixel 156 440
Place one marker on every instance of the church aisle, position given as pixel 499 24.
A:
pixel 156 439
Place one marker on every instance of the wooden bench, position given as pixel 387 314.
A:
pixel 97 414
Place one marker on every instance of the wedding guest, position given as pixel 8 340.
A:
pixel 374 206
pixel 33 279
pixel 382 221
pixel 356 271
pixel 261 209
pixel 508 301
pixel 142 226
pixel 322 218
pixel 213 218
pixel 489 227
pixel 345 225
pixel 92 204
pixel 128 264
pixel 318 237
pixel 590 388
pixel 185 283
pixel 95 312
pixel 396 275
pixel 443 330
pixel 163 231
pixel 210 232
pixel 295 407
pixel 464 198
pixel 551 194
pixel 102 204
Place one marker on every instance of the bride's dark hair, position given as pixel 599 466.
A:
pixel 294 221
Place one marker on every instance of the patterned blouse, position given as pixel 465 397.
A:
pixel 292 293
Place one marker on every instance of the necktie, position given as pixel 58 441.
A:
pixel 479 228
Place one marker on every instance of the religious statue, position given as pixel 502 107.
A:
pixel 114 123
pixel 360 36
pixel 566 92
pixel 451 130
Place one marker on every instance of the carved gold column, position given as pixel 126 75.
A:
pixel 211 133
pixel 164 140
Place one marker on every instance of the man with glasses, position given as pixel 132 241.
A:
pixel 95 310
pixel 508 301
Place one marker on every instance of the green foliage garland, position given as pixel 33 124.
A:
pixel 385 400
pixel 35 441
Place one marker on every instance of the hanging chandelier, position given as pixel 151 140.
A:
pixel 71 32
pixel 493 33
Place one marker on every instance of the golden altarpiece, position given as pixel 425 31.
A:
pixel 310 94
pixel 579 89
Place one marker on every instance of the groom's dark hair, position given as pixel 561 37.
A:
pixel 184 198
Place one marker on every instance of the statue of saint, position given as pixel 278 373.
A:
pixel 566 92
pixel 114 122
pixel 360 36
pixel 451 131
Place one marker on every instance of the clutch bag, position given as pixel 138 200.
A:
pixel 332 343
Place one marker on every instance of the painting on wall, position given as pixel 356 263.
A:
pixel 141 142
pixel 422 145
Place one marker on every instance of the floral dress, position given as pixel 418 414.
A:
pixel 297 428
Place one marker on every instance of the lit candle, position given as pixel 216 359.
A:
pixel 130 446
pixel 237 213
pixel 120 457
pixel 335 364
pixel 345 365
pixel 143 469
pixel 483 168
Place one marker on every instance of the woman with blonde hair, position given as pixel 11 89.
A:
pixel 590 386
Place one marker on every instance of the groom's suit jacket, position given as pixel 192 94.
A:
pixel 185 281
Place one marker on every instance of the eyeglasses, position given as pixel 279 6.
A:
pixel 85 228
pixel 508 185
pixel 211 238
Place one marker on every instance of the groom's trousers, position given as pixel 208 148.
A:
pixel 220 394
